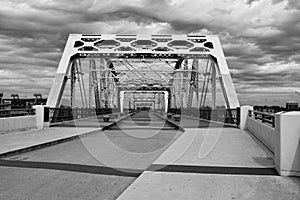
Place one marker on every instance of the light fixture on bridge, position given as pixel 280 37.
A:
pixel 143 59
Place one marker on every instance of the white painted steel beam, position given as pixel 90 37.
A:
pixel 143 47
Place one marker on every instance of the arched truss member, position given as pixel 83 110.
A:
pixel 119 54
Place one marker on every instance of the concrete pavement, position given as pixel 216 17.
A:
pixel 42 184
pixel 226 147
pixel 22 141
pixel 134 149
pixel 83 168
pixel 190 186
pixel 199 149
pixel 213 163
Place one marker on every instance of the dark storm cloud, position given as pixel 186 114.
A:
pixel 250 1
pixel 260 37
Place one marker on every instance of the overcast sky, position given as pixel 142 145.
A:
pixel 260 38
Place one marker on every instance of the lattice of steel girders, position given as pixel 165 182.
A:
pixel 206 83
pixel 177 89
pixel 185 84
pixel 213 85
pixel 95 83
pixel 196 82
pixel 80 80
pixel 91 86
pixel 193 84
pixel 72 84
pixel 106 83
pixel 144 47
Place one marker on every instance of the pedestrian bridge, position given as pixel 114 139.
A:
pixel 107 75
pixel 153 106
pixel 182 80
pixel 138 150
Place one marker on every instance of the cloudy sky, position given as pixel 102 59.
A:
pixel 261 38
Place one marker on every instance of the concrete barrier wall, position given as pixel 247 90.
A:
pixel 17 123
pixel 263 132
pixel 287 143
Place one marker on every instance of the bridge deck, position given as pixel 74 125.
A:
pixel 95 157
pixel 190 186
pixel 217 147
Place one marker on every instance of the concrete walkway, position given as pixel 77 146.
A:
pixel 171 185
pixel 202 161
pixel 213 163
pixel 12 142
pixel 21 141
pixel 226 147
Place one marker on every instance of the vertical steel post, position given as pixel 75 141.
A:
pixel 185 82
pixel 91 83
pixel 72 82
pixel 213 85
pixel 95 82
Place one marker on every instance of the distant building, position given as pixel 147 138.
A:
pixel 15 102
pixel 292 106
pixel 269 109
pixel 1 97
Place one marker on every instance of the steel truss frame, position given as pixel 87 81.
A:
pixel 181 53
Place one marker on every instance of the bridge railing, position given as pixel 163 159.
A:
pixel 264 117
pixel 16 112
pixel 67 114
pixel 230 116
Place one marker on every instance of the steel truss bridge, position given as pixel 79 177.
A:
pixel 124 72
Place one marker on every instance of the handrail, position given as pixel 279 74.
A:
pixel 25 109
pixel 265 113
pixel 264 117
pixel 16 112
pixel 229 116
pixel 67 114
